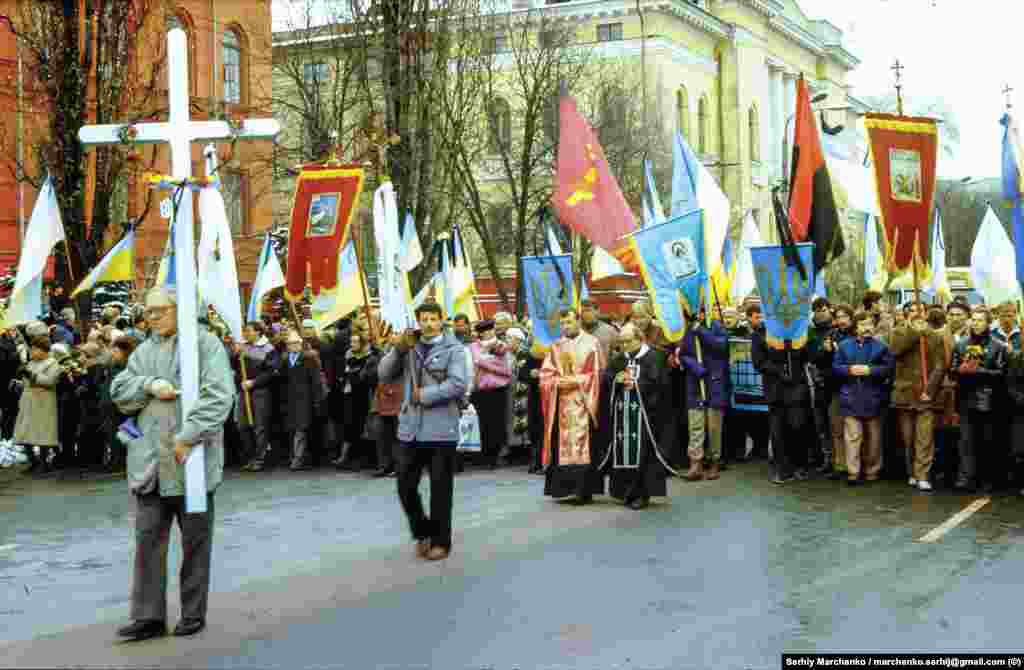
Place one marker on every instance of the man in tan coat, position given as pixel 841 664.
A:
pixel 916 395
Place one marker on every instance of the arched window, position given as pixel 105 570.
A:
pixel 500 120
pixel 703 122
pixel 232 67
pixel 683 112
pixel 754 128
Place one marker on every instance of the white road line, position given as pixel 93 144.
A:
pixel 937 533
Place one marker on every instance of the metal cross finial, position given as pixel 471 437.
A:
pixel 380 142
pixel 898 69
pixel 1007 91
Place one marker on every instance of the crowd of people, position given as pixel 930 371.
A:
pixel 872 381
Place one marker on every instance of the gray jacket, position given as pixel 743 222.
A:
pixel 440 372
pixel 151 457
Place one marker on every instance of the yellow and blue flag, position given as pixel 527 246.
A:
pixel 671 260
pixel 548 285
pixel 166 275
pixel 785 292
pixel 1013 189
pixel 117 265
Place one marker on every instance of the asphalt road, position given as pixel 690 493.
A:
pixel 316 570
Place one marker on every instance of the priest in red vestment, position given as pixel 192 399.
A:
pixel 570 383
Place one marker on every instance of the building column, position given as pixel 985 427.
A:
pixel 776 118
pixel 788 109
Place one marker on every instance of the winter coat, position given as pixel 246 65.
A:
pixel 822 359
pixel 37 411
pixel 979 390
pixel 439 371
pixel 1011 340
pixel 782 373
pixel 713 370
pixel 906 351
pixel 357 379
pixel 301 389
pixel 261 368
pixel 862 396
pixel 492 369
pixel 151 456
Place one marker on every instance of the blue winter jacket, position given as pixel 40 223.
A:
pixel 714 370
pixel 862 396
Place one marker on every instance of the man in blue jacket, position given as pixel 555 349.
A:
pixel 432 368
pixel 862 365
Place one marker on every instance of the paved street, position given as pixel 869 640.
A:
pixel 316 570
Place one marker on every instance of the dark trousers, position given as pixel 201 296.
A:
pixel 153 518
pixel 439 458
pixel 988 456
pixel 255 444
pixel 492 408
pixel 387 441
pixel 739 425
pixel 789 430
pixel 822 426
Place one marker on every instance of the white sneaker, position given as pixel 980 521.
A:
pixel 924 486
pixel 912 481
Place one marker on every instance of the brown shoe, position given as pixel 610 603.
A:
pixel 713 471
pixel 422 548
pixel 696 472
pixel 437 554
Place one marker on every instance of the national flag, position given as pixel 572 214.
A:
pixel 693 187
pixel 874 267
pixel 603 264
pixel 812 206
pixel 217 276
pixel 584 289
pixel 820 289
pixel 671 260
pixel 785 293
pixel 785 232
pixel 392 286
pixel 721 279
pixel 548 288
pixel 331 307
pixel 117 265
pixel 268 277
pixel 940 283
pixel 462 281
pixel 166 273
pixel 993 261
pixel 412 251
pixel 651 193
pixel 44 231
pixel 587 198
pixel 744 282
pixel 1013 188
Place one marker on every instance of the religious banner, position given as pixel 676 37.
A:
pixel 785 294
pixel 904 151
pixel 671 260
pixel 548 285
pixel 324 203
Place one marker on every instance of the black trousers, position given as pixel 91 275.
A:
pixel 154 516
pixel 790 431
pixel 439 458
pixel 822 426
pixel 741 424
pixel 387 441
pixel 989 455
pixel 492 408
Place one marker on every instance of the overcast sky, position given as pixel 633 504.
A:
pixel 965 52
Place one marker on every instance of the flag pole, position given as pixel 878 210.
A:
pixel 245 391
pixel 920 306
pixel 67 255
pixel 362 285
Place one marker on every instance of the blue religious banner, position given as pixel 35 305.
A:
pixel 785 294
pixel 671 260
pixel 548 286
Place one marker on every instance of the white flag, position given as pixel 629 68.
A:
pixel 603 264
pixel 43 233
pixel 412 251
pixel 993 262
pixel 744 283
pixel 268 277
pixel 391 286
pixel 940 284
pixel 218 272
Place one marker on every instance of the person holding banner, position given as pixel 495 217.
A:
pixel 255 363
pixel 432 368
pixel 570 385
pixel 704 354
pixel 159 443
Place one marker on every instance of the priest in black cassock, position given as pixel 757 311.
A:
pixel 635 403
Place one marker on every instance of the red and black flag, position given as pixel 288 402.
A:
pixel 812 207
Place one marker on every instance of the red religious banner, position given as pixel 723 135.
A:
pixel 904 151
pixel 325 200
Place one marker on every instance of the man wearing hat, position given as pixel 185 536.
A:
pixel 158 444
pixel 490 397
pixel 64 330
pixel 303 394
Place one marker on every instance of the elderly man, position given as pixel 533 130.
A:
pixel 502 322
pixel 159 444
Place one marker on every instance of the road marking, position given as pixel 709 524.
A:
pixel 937 533
pixel 8 547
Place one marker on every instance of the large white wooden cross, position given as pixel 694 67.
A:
pixel 179 132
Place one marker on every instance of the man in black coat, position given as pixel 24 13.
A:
pixel 10 362
pixel 303 393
